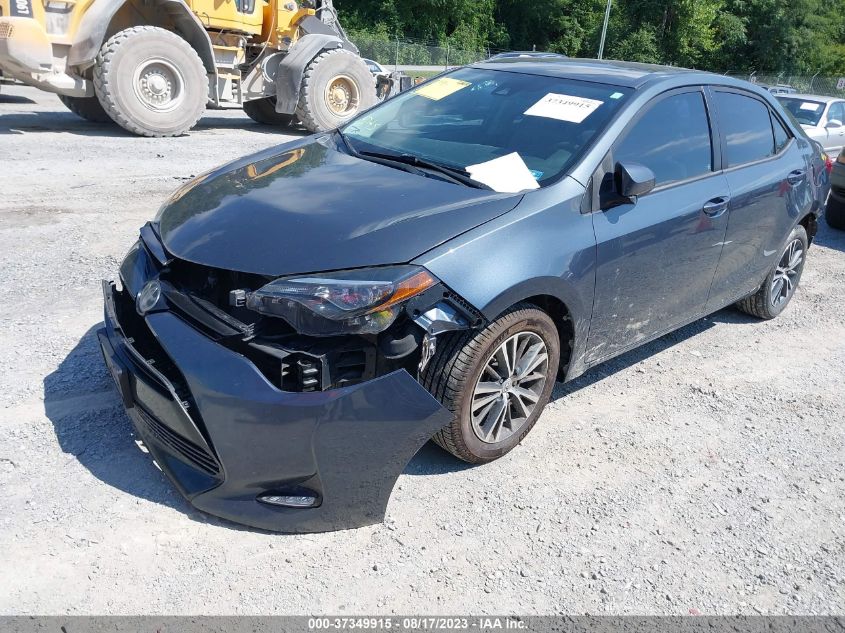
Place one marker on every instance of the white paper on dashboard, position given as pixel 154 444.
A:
pixel 813 107
pixel 564 107
pixel 506 174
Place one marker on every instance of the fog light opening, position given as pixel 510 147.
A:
pixel 289 500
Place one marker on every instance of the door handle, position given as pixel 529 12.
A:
pixel 796 177
pixel 716 207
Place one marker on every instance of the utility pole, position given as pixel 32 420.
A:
pixel 604 29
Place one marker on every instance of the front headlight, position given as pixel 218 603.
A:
pixel 363 301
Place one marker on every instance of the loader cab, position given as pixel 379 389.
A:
pixel 241 15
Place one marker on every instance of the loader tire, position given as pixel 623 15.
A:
pixel 264 111
pixel 88 108
pixel 151 82
pixel 336 86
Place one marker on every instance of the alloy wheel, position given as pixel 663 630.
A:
pixel 509 387
pixel 787 272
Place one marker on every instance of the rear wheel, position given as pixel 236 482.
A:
pixel 336 86
pixel 834 213
pixel 264 111
pixel 782 282
pixel 495 382
pixel 151 82
pixel 89 108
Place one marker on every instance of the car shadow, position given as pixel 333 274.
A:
pixel 90 424
pixel 4 98
pixel 432 460
pixel 829 237
pixel 69 123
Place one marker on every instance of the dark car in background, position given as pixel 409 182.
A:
pixel 295 325
pixel 835 210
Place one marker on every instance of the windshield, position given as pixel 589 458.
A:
pixel 468 118
pixel 806 112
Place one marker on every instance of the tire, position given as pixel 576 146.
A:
pixel 458 365
pixel 264 111
pixel 771 299
pixel 89 108
pixel 352 80
pixel 834 213
pixel 151 82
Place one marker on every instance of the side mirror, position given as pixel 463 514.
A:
pixel 633 180
pixel 834 123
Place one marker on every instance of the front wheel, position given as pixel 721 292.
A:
pixel 495 382
pixel 782 281
pixel 151 82
pixel 336 86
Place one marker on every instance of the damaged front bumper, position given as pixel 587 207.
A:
pixel 238 447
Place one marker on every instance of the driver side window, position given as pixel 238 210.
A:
pixel 672 139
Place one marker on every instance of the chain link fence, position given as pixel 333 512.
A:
pixel 396 52
pixel 810 84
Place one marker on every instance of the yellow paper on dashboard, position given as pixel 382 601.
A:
pixel 436 89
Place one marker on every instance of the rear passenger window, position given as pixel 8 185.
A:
pixel 781 135
pixel 747 127
pixel 672 139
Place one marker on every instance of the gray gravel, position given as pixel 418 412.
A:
pixel 702 473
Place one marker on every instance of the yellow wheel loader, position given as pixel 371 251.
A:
pixel 153 66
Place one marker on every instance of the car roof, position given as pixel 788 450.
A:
pixel 627 74
pixel 807 97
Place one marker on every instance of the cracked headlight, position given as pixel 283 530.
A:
pixel 364 301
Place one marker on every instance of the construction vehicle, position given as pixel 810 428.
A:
pixel 153 66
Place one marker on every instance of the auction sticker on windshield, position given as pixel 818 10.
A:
pixel 809 105
pixel 564 107
pixel 443 87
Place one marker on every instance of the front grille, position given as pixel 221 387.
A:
pixel 193 453
pixel 138 335
pixel 5 31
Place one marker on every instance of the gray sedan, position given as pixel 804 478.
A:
pixel 823 118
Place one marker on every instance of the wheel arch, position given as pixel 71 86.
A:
pixel 811 225
pixel 104 18
pixel 551 295
pixel 291 69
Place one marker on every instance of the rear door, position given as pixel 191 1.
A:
pixel 769 173
pixel 656 257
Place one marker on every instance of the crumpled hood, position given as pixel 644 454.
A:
pixel 307 207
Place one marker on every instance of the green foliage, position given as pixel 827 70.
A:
pixel 792 37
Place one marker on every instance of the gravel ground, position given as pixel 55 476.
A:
pixel 701 473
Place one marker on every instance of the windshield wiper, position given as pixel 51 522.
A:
pixel 413 164
pixel 454 173
pixel 389 160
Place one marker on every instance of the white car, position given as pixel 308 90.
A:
pixel 376 68
pixel 823 118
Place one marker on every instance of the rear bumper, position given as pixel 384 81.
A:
pixel 225 436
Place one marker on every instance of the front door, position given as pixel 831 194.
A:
pixel 656 257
